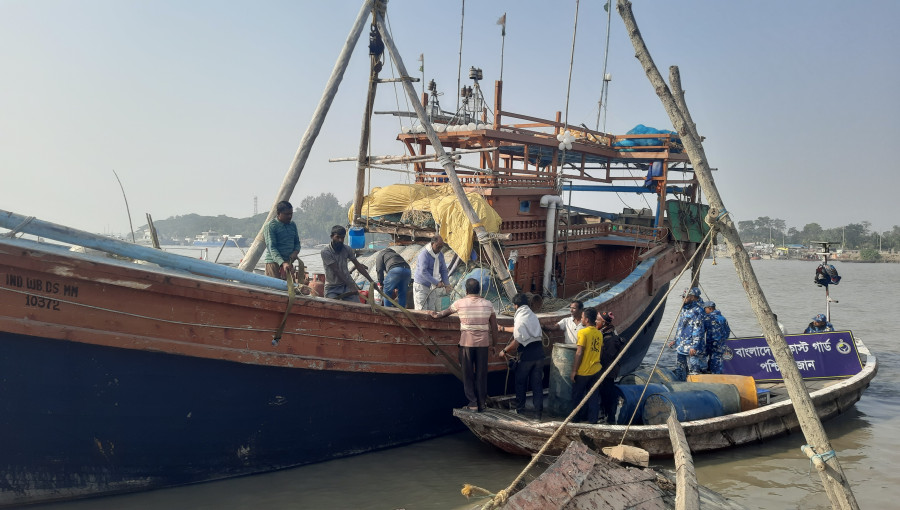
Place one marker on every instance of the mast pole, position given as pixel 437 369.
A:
pixel 309 137
pixel 498 263
pixel 836 485
pixel 362 159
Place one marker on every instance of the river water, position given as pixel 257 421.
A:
pixel 773 475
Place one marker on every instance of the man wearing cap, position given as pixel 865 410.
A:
pixel 612 346
pixel 717 331
pixel 689 336
pixel 819 324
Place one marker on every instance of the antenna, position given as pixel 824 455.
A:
pixel 824 245
pixel 255 205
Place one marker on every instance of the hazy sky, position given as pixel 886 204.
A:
pixel 199 106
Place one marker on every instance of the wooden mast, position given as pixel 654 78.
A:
pixel 498 263
pixel 836 485
pixel 362 159
pixel 309 137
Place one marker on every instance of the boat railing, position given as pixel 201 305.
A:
pixel 532 231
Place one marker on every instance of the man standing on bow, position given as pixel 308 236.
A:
pixel 689 336
pixel 431 275
pixel 717 331
pixel 282 242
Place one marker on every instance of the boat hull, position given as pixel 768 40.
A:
pixel 83 419
pixel 119 377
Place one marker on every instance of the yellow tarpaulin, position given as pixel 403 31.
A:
pixel 441 202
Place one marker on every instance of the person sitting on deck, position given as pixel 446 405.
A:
pixel 717 331
pixel 689 336
pixel 431 274
pixel 571 325
pixel 282 243
pixel 477 333
pixel 338 282
pixel 396 282
pixel 819 324
pixel 612 346
pixel 526 332
pixel 586 366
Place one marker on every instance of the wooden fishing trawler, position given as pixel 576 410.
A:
pixel 120 376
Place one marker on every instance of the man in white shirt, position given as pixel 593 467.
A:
pixel 572 324
pixel 527 340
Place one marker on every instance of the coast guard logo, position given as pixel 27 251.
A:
pixel 843 347
pixel 728 354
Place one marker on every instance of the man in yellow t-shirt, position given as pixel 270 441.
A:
pixel 586 368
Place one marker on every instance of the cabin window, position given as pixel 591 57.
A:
pixel 525 206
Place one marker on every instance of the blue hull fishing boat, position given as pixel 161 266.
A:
pixel 119 376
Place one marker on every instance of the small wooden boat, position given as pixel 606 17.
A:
pixel 831 397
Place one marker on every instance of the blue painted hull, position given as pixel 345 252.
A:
pixel 80 419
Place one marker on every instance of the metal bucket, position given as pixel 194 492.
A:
pixel 560 402
pixel 688 406
pixel 629 395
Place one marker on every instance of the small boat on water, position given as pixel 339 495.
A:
pixel 833 389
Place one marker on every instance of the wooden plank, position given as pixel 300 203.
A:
pixel 686 495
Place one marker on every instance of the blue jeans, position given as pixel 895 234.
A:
pixel 397 278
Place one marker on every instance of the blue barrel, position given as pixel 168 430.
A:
pixel 688 406
pixel 628 395
pixel 660 376
pixel 560 401
pixel 728 393
pixel 357 238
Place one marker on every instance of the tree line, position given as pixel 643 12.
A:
pixel 853 236
pixel 314 216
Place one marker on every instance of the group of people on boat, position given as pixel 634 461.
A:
pixel 700 335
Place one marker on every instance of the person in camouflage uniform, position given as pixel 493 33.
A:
pixel 819 324
pixel 690 333
pixel 717 331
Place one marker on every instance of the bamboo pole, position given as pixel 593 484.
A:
pixel 836 485
pixel 309 137
pixel 498 263
pixel 362 159
pixel 687 495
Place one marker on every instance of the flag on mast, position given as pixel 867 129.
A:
pixel 421 62
pixel 502 22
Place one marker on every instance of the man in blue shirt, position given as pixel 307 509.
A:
pixel 819 324
pixel 393 275
pixel 689 336
pixel 282 242
pixel 431 275
pixel 717 331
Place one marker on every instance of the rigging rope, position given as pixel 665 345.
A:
pixel 499 499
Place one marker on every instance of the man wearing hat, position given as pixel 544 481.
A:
pixel 819 324
pixel 717 331
pixel 689 336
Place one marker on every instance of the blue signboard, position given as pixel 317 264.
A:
pixel 818 356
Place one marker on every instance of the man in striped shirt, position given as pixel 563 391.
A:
pixel 478 332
